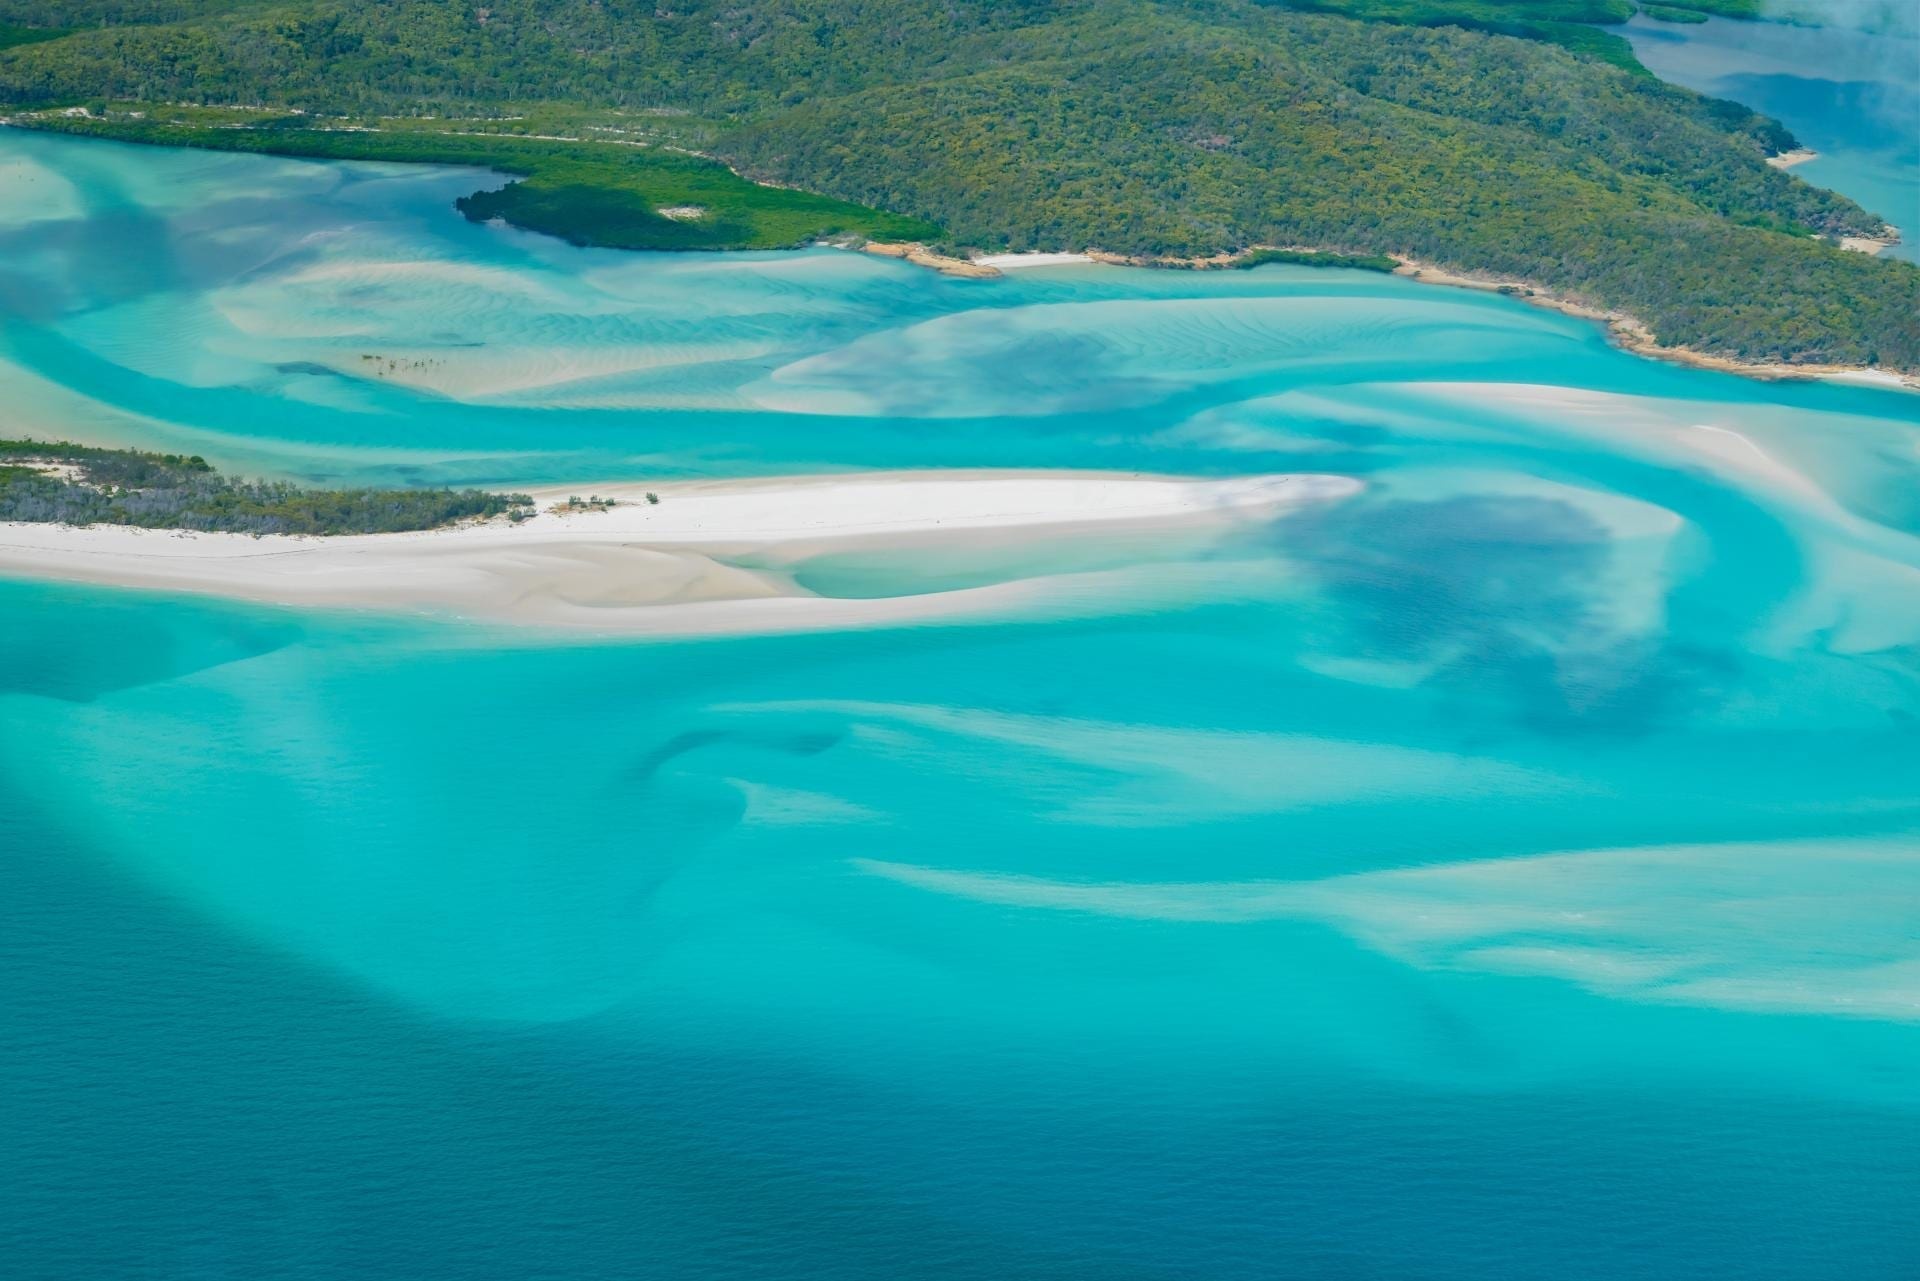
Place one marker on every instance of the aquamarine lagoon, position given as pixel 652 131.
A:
pixel 1511 870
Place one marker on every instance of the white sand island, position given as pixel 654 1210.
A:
pixel 713 556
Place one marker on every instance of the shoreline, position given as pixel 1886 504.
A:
pixel 1630 334
pixel 1872 244
pixel 921 256
pixel 1625 331
pixel 717 557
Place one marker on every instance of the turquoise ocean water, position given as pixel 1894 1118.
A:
pixel 1510 872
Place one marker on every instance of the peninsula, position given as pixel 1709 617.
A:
pixel 1512 142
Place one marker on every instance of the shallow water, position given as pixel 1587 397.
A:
pixel 1853 96
pixel 1509 872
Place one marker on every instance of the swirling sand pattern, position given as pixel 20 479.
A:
pixel 1506 872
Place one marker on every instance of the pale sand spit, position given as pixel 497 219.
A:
pixel 672 567
pixel 1013 262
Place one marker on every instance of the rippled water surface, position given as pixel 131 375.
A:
pixel 1510 872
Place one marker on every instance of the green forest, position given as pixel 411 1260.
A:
pixel 11 35
pixel 1502 136
pixel 1575 24
pixel 54 482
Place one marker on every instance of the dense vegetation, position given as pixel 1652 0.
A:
pixel 1572 24
pixel 1664 13
pixel 1568 23
pixel 1725 8
pixel 56 482
pixel 1149 127
pixel 11 35
pixel 1315 258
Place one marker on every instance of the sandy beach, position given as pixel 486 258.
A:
pixel 709 557
pixel 1035 258
pixel 1871 244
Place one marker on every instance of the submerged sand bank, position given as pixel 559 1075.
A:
pixel 708 557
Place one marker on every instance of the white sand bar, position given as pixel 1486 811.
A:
pixel 665 568
pixel 1013 262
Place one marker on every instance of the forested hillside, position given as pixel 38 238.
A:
pixel 1169 127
